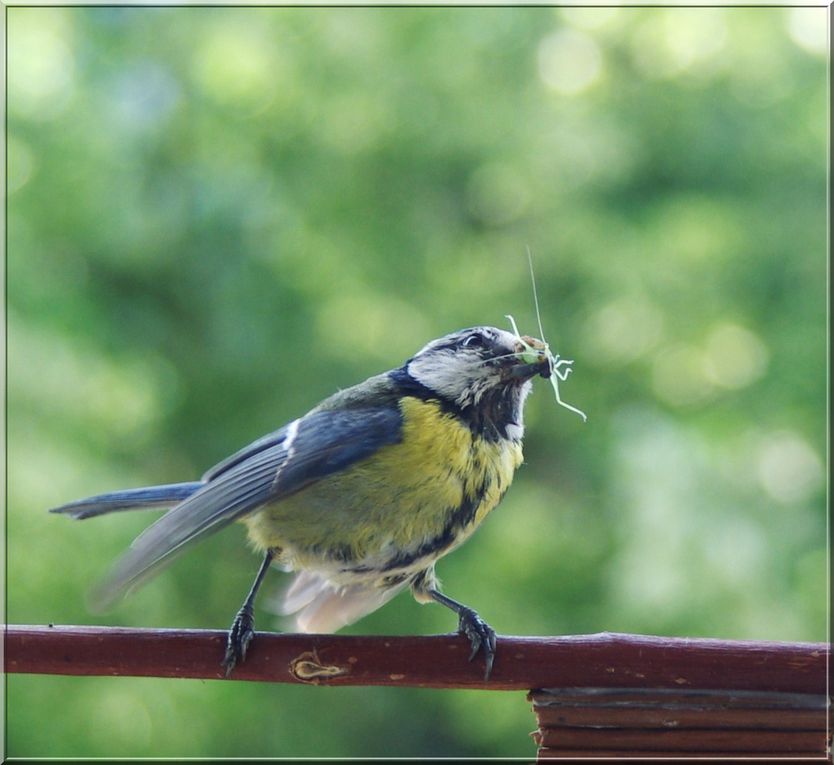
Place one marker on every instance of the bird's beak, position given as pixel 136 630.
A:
pixel 534 359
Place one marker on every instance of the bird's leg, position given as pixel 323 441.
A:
pixel 480 634
pixel 243 627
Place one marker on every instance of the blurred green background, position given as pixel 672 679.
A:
pixel 217 217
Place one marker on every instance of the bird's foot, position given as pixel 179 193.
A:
pixel 240 635
pixel 480 635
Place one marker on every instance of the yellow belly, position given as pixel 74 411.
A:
pixel 396 501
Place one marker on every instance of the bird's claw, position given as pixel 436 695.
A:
pixel 480 636
pixel 240 635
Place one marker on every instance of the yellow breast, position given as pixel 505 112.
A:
pixel 426 493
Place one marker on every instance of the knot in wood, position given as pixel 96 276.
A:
pixel 307 668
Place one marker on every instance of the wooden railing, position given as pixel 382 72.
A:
pixel 602 695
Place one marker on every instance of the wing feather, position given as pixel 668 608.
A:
pixel 265 442
pixel 231 495
pixel 271 468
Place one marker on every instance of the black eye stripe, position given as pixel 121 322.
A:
pixel 486 341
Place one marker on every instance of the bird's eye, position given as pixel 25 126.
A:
pixel 474 340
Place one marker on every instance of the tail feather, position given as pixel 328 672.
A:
pixel 213 505
pixel 130 499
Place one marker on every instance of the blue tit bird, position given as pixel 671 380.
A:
pixel 363 494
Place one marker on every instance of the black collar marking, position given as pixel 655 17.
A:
pixel 497 409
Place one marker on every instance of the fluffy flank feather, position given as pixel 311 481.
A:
pixel 321 606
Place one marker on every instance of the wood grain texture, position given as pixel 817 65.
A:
pixel 607 660
pixel 588 722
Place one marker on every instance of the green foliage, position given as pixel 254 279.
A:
pixel 218 216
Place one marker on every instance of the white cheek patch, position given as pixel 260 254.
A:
pixel 457 375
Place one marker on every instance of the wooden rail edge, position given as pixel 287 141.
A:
pixel 603 660
pixel 648 723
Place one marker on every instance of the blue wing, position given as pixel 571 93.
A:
pixel 271 468
pixel 272 439
pixel 327 442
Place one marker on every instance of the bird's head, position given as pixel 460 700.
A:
pixel 484 372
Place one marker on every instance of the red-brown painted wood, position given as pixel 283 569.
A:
pixel 440 661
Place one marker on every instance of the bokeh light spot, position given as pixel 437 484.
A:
pixel 808 28
pixel 623 330
pixel 678 375
pixel 674 41
pixel 41 63
pixel 735 357
pixel 789 469
pixel 569 61
pixel 238 68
